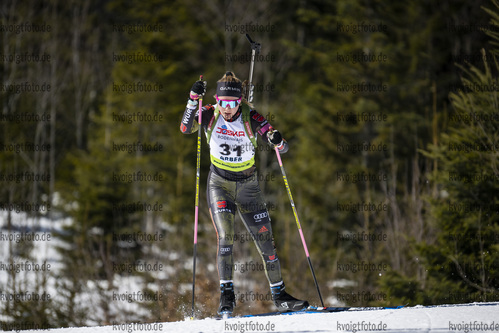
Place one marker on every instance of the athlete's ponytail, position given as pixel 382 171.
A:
pixel 229 77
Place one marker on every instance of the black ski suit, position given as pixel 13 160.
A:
pixel 229 191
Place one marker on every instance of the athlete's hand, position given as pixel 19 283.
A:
pixel 274 137
pixel 198 89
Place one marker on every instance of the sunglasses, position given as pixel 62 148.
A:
pixel 228 103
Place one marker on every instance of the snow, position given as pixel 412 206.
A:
pixel 42 229
pixel 476 317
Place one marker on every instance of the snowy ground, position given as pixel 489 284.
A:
pixel 39 232
pixel 476 317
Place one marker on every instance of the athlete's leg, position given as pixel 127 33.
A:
pixel 220 193
pixel 255 216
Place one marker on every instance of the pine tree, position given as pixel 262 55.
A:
pixel 464 254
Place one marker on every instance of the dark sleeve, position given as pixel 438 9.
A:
pixel 189 123
pixel 261 126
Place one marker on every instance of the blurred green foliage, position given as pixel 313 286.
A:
pixel 373 98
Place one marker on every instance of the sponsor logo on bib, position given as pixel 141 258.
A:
pixel 224 131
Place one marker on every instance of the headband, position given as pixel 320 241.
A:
pixel 232 89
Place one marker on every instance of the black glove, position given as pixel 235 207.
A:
pixel 274 137
pixel 198 89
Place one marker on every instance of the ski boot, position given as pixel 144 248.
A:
pixel 227 300
pixel 285 302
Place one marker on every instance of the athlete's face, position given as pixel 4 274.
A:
pixel 227 112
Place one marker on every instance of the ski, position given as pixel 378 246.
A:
pixel 310 309
pixel 329 309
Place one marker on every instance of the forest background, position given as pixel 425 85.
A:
pixel 390 110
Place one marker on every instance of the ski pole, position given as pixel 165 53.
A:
pixel 196 209
pixel 298 222
pixel 255 49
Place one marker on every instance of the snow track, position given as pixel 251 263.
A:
pixel 467 318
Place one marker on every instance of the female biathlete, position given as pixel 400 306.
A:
pixel 231 127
